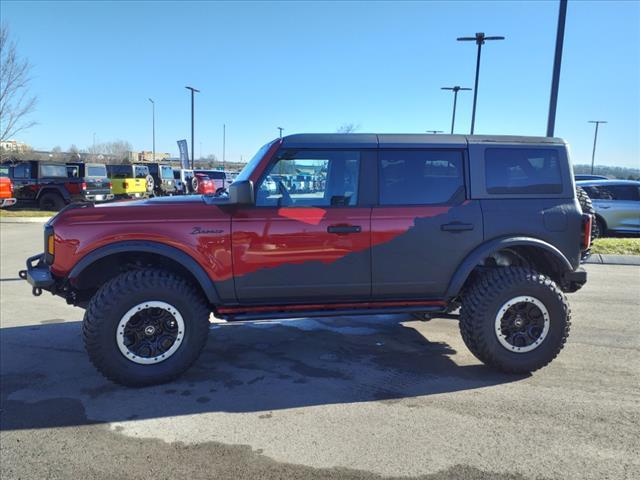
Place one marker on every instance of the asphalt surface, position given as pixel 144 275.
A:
pixel 349 397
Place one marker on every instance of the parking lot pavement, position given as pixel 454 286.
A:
pixel 356 397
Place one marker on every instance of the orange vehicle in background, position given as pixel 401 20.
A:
pixel 6 189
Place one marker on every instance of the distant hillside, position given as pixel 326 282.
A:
pixel 610 172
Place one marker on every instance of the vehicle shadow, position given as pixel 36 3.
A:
pixel 47 381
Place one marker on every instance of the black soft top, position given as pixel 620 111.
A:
pixel 408 140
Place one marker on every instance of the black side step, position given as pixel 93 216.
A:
pixel 241 317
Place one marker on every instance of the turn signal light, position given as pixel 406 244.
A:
pixel 83 185
pixel 51 245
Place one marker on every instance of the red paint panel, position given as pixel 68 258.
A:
pixel 266 238
pixel 80 231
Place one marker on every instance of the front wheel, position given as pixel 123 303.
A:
pixel 514 319
pixel 145 327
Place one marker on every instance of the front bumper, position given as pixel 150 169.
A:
pixel 38 275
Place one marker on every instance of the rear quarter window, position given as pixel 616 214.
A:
pixel 522 170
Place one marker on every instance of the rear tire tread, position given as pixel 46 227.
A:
pixel 475 309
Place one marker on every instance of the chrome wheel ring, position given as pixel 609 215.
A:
pixel 522 324
pixel 150 332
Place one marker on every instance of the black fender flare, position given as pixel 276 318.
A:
pixel 480 253
pixel 143 246
pixel 53 188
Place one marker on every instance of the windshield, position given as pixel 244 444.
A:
pixel 249 167
pixel 4 171
pixel 96 171
pixel 166 171
pixel 53 171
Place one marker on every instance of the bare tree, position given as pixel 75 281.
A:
pixel 15 101
pixel 348 128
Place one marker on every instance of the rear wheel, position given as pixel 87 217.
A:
pixel 514 319
pixel 145 327
pixel 51 202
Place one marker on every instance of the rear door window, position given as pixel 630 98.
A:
pixel 522 170
pixel 53 171
pixel 420 177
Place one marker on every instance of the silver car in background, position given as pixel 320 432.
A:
pixel 617 204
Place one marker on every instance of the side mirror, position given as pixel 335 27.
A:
pixel 241 193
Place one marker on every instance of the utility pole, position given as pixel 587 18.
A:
pixel 595 139
pixel 557 62
pixel 455 91
pixel 281 129
pixel 224 145
pixel 153 126
pixel 480 38
pixel 193 153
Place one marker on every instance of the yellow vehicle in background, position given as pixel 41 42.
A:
pixel 130 181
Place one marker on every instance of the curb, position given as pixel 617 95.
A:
pixel 24 219
pixel 600 259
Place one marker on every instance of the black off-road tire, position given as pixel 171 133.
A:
pixel 116 297
pixel 600 228
pixel 587 207
pixel 481 303
pixel 52 202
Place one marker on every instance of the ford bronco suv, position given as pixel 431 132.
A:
pixel 487 230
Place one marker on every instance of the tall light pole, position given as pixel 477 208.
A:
pixel 434 131
pixel 455 91
pixel 153 123
pixel 281 129
pixel 595 139
pixel 557 61
pixel 480 38
pixel 193 153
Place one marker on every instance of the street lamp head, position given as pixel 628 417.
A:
pixel 597 121
pixel 195 90
pixel 457 88
pixel 479 38
pixel 151 101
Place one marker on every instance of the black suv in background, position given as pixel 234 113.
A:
pixel 164 182
pixel 94 184
pixel 45 184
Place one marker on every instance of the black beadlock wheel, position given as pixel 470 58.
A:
pixel 514 319
pixel 145 327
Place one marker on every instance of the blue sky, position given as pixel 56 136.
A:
pixel 313 66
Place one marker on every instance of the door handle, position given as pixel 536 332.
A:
pixel 344 229
pixel 456 227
